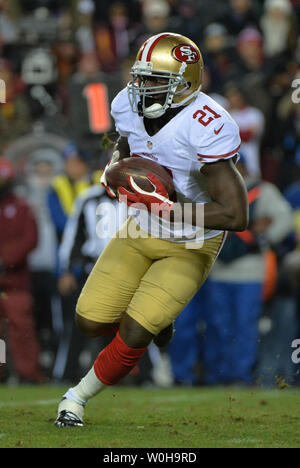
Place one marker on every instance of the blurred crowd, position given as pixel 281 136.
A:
pixel 62 63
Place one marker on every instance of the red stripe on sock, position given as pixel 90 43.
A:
pixel 116 361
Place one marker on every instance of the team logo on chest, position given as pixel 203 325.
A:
pixel 149 144
pixel 186 53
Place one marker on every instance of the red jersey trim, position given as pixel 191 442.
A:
pixel 203 156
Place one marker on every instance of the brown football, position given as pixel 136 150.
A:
pixel 117 174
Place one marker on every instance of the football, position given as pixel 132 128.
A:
pixel 117 174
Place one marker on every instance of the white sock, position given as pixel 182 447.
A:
pixel 88 387
pixel 71 395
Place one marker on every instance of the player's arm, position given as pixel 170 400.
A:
pixel 228 208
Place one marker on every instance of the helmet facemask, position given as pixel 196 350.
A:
pixel 142 99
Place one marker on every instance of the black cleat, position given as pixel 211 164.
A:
pixel 67 419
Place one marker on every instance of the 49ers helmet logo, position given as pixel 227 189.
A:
pixel 186 53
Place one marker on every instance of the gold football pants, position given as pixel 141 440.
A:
pixel 149 278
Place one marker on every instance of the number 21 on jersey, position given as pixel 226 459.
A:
pixel 207 115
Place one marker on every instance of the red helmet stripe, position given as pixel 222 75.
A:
pixel 142 50
pixel 154 44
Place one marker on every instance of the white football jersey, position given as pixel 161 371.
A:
pixel 202 132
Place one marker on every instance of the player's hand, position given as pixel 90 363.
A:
pixel 115 157
pixel 156 201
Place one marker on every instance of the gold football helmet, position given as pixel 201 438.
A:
pixel 175 63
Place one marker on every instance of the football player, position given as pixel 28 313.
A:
pixel 140 284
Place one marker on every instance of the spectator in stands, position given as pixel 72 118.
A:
pixel 252 69
pixel 112 38
pixel 67 56
pixel 84 33
pixel 155 20
pixel 67 186
pixel 187 20
pixel 240 281
pixel 43 166
pixel 280 323
pixel 251 124
pixel 284 130
pixel 219 55
pixel 9 33
pixel 292 261
pixel 240 14
pixel 292 194
pixel 18 237
pixel 279 27
pixel 15 119
pixel 250 50
pixel 186 366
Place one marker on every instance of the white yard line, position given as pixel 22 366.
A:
pixel 187 397
pixel 246 440
pixel 212 396
pixel 29 403
pixel 201 396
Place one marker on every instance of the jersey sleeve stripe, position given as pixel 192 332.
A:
pixel 203 156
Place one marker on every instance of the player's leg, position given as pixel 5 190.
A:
pixel 100 307
pixel 94 329
pixel 110 286
pixel 170 283
pixel 113 363
pixel 163 291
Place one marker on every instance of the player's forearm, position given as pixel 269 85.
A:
pixel 218 216
pixel 211 215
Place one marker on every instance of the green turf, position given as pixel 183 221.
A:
pixel 136 417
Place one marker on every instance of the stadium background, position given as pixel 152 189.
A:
pixel 61 62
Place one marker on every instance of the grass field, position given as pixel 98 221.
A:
pixel 154 418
